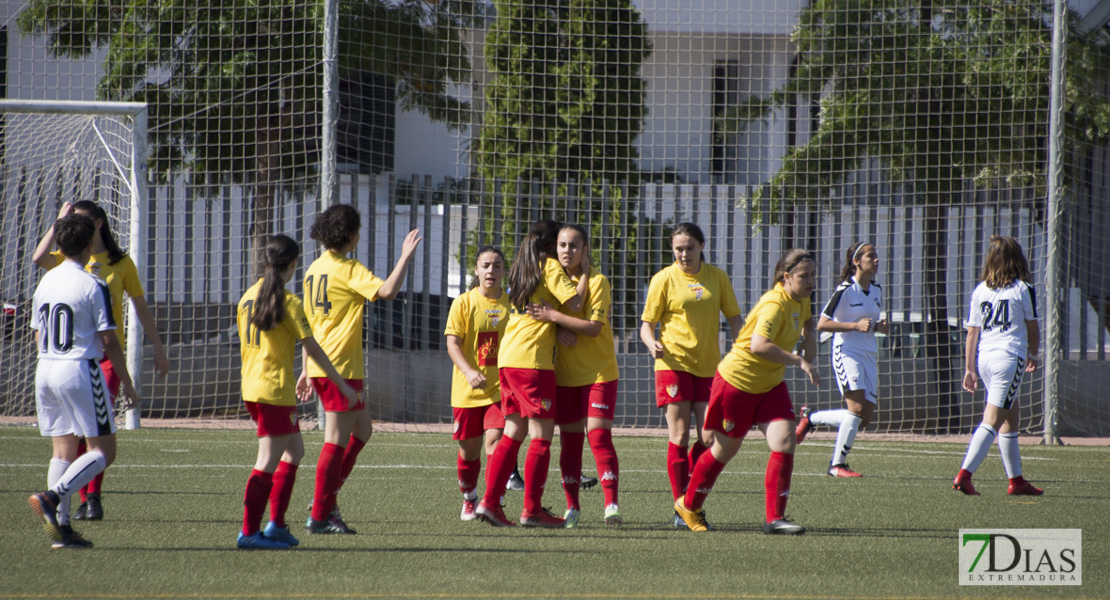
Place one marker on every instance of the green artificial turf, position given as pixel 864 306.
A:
pixel 173 506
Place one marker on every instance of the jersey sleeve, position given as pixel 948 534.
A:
pixel 131 283
pixel 1029 301
pixel 834 302
pixel 58 258
pixel 729 306
pixel 457 322
pixel 653 305
pixel 102 308
pixel 601 298
pixel 769 320
pixel 295 320
pixel 364 282
pixel 557 281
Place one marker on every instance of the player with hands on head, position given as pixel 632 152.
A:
pixel 270 321
pixel 109 262
pixel 526 369
pixel 1003 340
pixel 475 327
pixel 686 300
pixel 586 375
pixel 749 389
pixel 74 328
pixel 336 288
pixel 853 314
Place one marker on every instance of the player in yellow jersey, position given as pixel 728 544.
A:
pixel 526 369
pixel 586 375
pixel 336 288
pixel 749 389
pixel 110 263
pixel 475 326
pixel 271 320
pixel 686 300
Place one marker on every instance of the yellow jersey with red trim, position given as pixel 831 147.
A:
pixel 480 323
pixel 120 277
pixel 778 318
pixel 528 343
pixel 593 359
pixel 336 289
pixel 688 309
pixel 268 356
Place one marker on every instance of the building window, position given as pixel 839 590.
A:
pixel 725 159
pixel 367 123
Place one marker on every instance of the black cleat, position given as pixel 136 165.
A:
pixel 71 539
pixel 95 511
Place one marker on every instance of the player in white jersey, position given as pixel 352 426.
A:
pixel 853 315
pixel 1002 331
pixel 74 327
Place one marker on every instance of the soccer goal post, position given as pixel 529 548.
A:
pixel 52 152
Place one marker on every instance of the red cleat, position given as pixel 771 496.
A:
pixel 1023 488
pixel 493 515
pixel 842 471
pixel 964 485
pixel 804 425
pixel 543 519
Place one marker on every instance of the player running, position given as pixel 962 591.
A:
pixel 73 321
pixel 271 320
pixel 586 375
pixel 1002 332
pixel 336 289
pixel 852 315
pixel 110 263
pixel 475 327
pixel 749 389
pixel 686 300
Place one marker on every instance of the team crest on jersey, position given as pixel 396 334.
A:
pixel 546 403
pixel 729 425
pixel 672 390
pixel 698 290
pixel 494 315
pixel 94 268
pixel 797 320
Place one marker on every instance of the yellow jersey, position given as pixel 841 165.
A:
pixel 336 289
pixel 268 356
pixel 776 317
pixel 528 343
pixel 120 277
pixel 688 308
pixel 480 323
pixel 593 359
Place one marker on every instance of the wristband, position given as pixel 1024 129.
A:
pixel 1035 356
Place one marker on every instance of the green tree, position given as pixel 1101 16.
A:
pixel 938 93
pixel 234 87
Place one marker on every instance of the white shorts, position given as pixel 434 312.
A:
pixel 856 372
pixel 1001 373
pixel 71 398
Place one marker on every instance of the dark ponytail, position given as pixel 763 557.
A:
pixel 526 273
pixel 269 307
pixel 115 253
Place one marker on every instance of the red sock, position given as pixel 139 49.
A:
pixel 284 477
pixel 498 469
pixel 536 463
pixel 96 485
pixel 469 470
pixel 570 464
pixel 963 475
pixel 350 455
pixel 608 469
pixel 776 484
pixel 678 469
pixel 254 500
pixel 82 447
pixel 327 480
pixel 702 481
pixel 696 451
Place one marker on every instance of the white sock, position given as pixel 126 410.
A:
pixel 57 469
pixel 844 439
pixel 471 495
pixel 1011 458
pixel 83 470
pixel 832 418
pixel 981 442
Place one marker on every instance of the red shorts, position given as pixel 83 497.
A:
pixel 273 420
pixel 330 396
pixel 473 422
pixel 680 386
pixel 530 392
pixel 110 378
pixel 733 411
pixel 597 400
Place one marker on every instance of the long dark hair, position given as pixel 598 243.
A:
pixel 692 230
pixel 792 258
pixel 269 307
pixel 115 253
pixel 526 274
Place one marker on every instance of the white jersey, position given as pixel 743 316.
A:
pixel 850 303
pixel 70 307
pixel 1001 315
